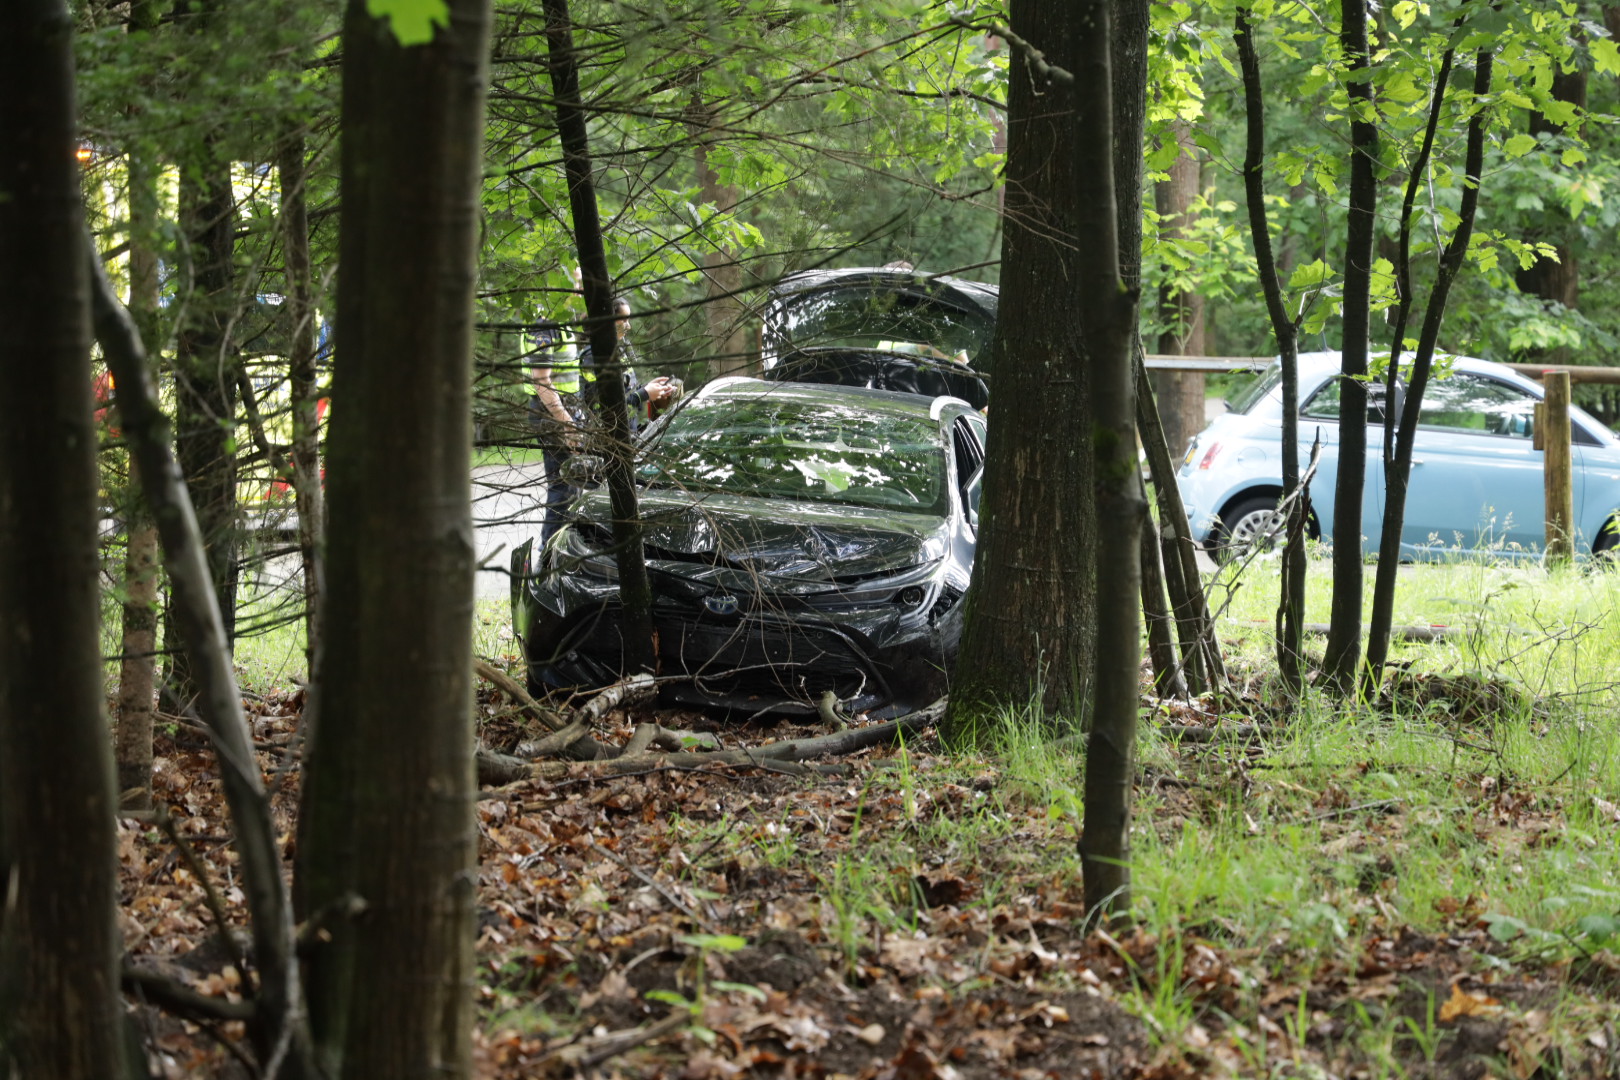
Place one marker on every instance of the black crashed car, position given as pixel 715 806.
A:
pixel 884 328
pixel 799 539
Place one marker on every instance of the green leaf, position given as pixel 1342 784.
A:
pixel 1606 55
pixel 723 942
pixel 412 20
pixel 1600 928
pixel 1309 276
pixel 1208 142
pixel 1520 145
pixel 670 997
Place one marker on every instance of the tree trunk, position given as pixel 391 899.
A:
pixel 635 589
pixel 1168 678
pixel 136 670
pixel 1031 616
pixel 277 1026
pixel 60 1013
pixel 1180 393
pixel 1343 652
pixel 395 674
pixel 1555 280
pixel 1291 604
pixel 1398 472
pixel 302 376
pixel 205 391
pixel 1113 116
pixel 1200 652
pixel 723 312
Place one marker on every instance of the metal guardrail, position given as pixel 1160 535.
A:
pixel 1596 376
pixel 1155 362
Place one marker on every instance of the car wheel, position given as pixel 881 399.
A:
pixel 1246 522
pixel 1606 547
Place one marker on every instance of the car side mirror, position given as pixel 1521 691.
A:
pixel 975 488
pixel 583 470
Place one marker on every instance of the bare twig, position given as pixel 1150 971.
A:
pixel 176 997
pixel 514 690
pixel 593 1052
pixel 676 902
pixel 216 907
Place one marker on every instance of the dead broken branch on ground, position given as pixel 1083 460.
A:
pixel 652 746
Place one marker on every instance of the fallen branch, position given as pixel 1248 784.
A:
pixel 783 756
pixel 657 886
pixel 590 1053
pixel 176 997
pixel 514 690
pixel 555 743
pixel 582 746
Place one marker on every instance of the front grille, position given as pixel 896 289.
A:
pixel 739 656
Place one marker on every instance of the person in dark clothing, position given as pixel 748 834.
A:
pixel 643 402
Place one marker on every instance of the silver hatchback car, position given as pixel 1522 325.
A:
pixel 1476 483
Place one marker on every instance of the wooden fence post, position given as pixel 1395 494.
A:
pixel 1558 472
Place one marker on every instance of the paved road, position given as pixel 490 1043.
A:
pixel 507 504
pixel 506 511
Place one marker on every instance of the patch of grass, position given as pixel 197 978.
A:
pixel 505 455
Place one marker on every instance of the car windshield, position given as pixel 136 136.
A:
pixel 1250 394
pixel 886 320
pixel 822 451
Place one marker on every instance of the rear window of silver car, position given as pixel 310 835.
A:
pixel 1255 389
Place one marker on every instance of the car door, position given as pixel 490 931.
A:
pixel 1319 416
pixel 1477 480
pixel 967 438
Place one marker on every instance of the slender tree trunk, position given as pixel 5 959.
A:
pixel 1200 651
pixel 1180 393
pixel 205 390
pixel 1291 605
pixel 396 672
pixel 1031 618
pixel 1343 653
pixel 1399 470
pixel 723 312
pixel 306 456
pixel 635 589
pixel 136 670
pixel 1555 280
pixel 60 1013
pixel 1168 678
pixel 277 1027
pixel 1113 116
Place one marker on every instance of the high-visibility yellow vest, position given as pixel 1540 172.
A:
pixel 563 360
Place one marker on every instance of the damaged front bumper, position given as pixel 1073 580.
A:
pixel 754 652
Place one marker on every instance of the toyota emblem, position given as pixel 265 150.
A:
pixel 720 604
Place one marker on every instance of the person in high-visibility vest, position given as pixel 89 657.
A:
pixel 553 375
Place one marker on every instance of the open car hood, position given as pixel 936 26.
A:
pixel 884 329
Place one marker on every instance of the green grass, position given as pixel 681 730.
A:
pixel 505 455
pixel 1292 856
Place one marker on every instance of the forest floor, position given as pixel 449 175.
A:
pixel 1429 886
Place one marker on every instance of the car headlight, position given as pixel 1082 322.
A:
pixel 910 589
pixel 589 560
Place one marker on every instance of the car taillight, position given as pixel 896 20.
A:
pixel 1209 455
